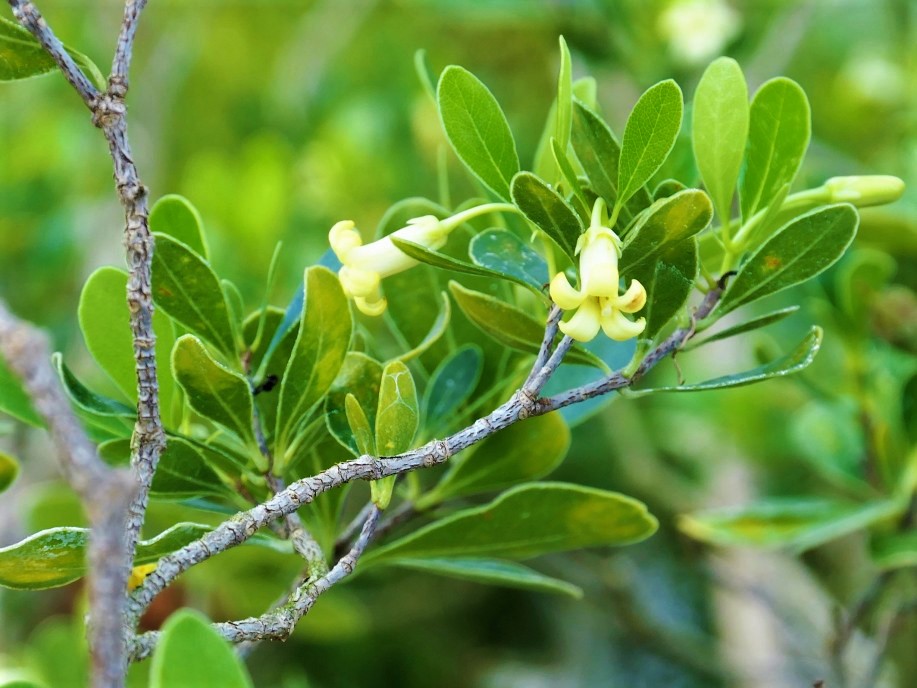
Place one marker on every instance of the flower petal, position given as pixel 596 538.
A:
pixel 585 323
pixel 619 328
pixel 563 294
pixel 633 299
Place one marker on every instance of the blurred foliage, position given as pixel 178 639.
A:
pixel 278 118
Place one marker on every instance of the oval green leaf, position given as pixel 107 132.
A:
pixel 14 400
pixel 321 344
pixel 668 281
pixel 548 211
pixel 174 215
pixel 526 522
pixel 398 415
pixel 22 57
pixel 212 389
pixel 360 377
pixel 504 574
pixel 477 129
pixel 649 136
pixel 506 254
pixel 191 653
pixel 187 289
pixel 798 252
pixel 720 130
pixel 778 135
pixel 451 385
pixel 747 326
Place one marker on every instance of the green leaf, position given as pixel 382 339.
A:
pixel 360 427
pixel 520 453
pixel 321 345
pixel 182 471
pixel 360 377
pixel 666 223
pixel 9 469
pixel 451 385
pixel 669 282
pixel 187 289
pixel 191 653
pixel 798 359
pixel 666 188
pixel 720 130
pixel 491 572
pixel 14 400
pixel 22 57
pixel 398 416
pixel 213 390
pixel 798 252
pixel 174 215
pixel 798 524
pixel 509 325
pixel 105 322
pixel 599 153
pixel 570 176
pixel 437 330
pixel 548 211
pixel 747 326
pixel 564 97
pixel 525 522
pixel 444 262
pixel 649 136
pixel 56 557
pixel 477 129
pixel 506 254
pixel 894 550
pixel 111 417
pixel 778 135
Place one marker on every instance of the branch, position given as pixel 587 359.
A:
pixel 242 526
pixel 278 624
pixel 28 15
pixel 121 64
pixel 105 492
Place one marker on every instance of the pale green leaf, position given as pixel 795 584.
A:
pixel 548 211
pixel 360 377
pixel 755 323
pixel 174 215
pixel 398 415
pixel 14 400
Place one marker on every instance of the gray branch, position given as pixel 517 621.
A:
pixel 105 492
pixel 279 623
pixel 242 526
pixel 121 64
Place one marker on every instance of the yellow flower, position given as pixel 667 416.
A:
pixel 598 302
pixel 363 267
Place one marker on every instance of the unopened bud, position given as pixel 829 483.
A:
pixel 876 189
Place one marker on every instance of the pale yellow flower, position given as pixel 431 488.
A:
pixel 598 302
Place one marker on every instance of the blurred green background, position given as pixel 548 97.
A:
pixel 278 118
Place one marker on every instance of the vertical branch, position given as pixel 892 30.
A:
pixel 105 492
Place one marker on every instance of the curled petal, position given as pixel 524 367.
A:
pixel 633 299
pixel 585 323
pixel 563 294
pixel 619 328
pixel 357 282
pixel 371 307
pixel 343 238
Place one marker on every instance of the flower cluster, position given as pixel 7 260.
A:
pixel 598 302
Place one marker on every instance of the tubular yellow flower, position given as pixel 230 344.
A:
pixel 598 303
pixel 875 189
pixel 363 267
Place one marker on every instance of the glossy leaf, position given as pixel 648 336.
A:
pixel 720 131
pixel 509 325
pixel 477 129
pixel 22 57
pixel 649 136
pixel 504 574
pixel 666 223
pixel 321 344
pixel 360 376
pixel 174 215
pixel 564 97
pixel 437 330
pixel 360 427
pixel 182 471
pixel 797 524
pixel 570 177
pixel 398 415
pixel 798 359
pixel 520 453
pixel 191 653
pixel 213 390
pixel 111 417
pixel 105 323
pixel 778 135
pixel 799 251
pixel 548 211
pixel 444 262
pixel 187 289
pixel 451 385
pixel 14 400
pixel 599 153
pixel 505 253
pixel 56 557
pixel 9 469
pixel 755 323
pixel 669 281
pixel 525 522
